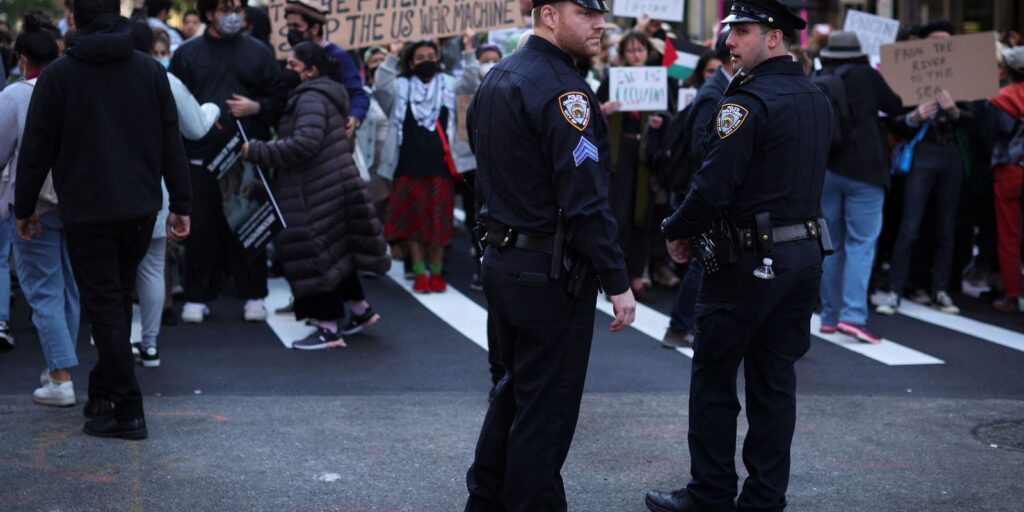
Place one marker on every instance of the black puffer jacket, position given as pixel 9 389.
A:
pixel 332 226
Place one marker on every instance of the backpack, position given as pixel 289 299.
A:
pixel 831 83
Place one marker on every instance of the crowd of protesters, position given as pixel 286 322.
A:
pixel 366 160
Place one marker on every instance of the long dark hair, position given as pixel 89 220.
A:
pixel 312 55
pixel 696 79
pixel 37 40
pixel 405 67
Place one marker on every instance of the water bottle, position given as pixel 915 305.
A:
pixel 765 270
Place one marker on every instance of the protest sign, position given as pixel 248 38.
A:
pixel 667 10
pixel 686 96
pixel 359 23
pixel 462 108
pixel 872 31
pixel 638 88
pixel 963 65
pixel 249 205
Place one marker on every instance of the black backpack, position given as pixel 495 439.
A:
pixel 831 83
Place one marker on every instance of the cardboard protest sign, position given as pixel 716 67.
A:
pixel 963 65
pixel 638 88
pixel 667 10
pixel 462 108
pixel 358 23
pixel 872 31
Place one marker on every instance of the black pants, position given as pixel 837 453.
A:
pixel 763 324
pixel 544 335
pixel 212 246
pixel 938 168
pixel 104 259
pixel 330 306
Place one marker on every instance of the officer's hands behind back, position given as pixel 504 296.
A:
pixel 624 306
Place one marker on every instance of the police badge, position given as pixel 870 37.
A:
pixel 730 117
pixel 575 108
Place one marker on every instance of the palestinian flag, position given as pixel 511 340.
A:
pixel 681 57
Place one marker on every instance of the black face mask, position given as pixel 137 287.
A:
pixel 290 78
pixel 295 37
pixel 425 70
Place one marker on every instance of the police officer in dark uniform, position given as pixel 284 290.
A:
pixel 751 220
pixel 543 162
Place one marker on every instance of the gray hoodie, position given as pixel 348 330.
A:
pixel 14 100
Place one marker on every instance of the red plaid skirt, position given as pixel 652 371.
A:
pixel 421 209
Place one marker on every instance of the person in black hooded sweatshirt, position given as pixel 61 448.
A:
pixel 103 119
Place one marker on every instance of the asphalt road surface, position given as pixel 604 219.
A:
pixel 930 420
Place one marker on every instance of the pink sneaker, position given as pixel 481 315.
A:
pixel 860 332
pixel 827 329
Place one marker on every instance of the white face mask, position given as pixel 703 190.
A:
pixel 230 25
pixel 485 67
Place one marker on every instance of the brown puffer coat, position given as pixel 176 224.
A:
pixel 333 228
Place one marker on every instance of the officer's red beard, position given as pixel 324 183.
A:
pixel 576 33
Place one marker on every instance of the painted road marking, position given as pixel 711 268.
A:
pixel 981 330
pixel 452 306
pixel 887 352
pixel 286 327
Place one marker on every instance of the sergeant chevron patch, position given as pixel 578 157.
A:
pixel 730 118
pixel 584 150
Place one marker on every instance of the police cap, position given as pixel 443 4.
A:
pixel 773 13
pixel 594 5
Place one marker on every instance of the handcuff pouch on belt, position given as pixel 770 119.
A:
pixel 717 246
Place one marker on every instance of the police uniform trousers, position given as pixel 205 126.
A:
pixel 544 335
pixel 763 324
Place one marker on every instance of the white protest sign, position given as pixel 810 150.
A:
pixel 639 88
pixel 872 31
pixel 667 10
pixel 686 96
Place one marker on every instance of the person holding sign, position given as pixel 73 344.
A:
pixel 333 231
pixel 937 168
pixel 238 73
pixel 752 217
pixel 630 191
pixel 417 158
pixel 542 171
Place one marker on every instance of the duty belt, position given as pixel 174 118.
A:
pixel 508 237
pixel 783 234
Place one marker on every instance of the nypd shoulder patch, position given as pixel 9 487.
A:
pixel 575 108
pixel 730 118
pixel 584 150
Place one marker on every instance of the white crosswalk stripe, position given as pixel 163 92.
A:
pixel 886 352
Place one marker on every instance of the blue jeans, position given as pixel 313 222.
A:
pixel 6 234
pixel 681 319
pixel 853 210
pixel 44 271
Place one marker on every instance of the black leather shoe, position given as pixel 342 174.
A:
pixel 665 501
pixel 108 426
pixel 98 408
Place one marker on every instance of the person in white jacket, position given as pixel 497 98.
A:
pixel 194 121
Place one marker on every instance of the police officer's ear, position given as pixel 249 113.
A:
pixel 545 16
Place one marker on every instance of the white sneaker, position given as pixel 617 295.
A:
pixel 888 304
pixel 194 313
pixel 52 393
pixel 44 379
pixel 943 302
pixel 255 311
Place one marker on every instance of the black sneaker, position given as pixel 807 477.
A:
pixel 6 339
pixel 357 323
pixel 477 283
pixel 150 357
pixel 108 426
pixel 320 339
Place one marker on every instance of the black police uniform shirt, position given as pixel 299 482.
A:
pixel 766 150
pixel 541 144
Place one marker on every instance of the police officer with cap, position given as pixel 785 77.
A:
pixel 543 163
pixel 756 198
